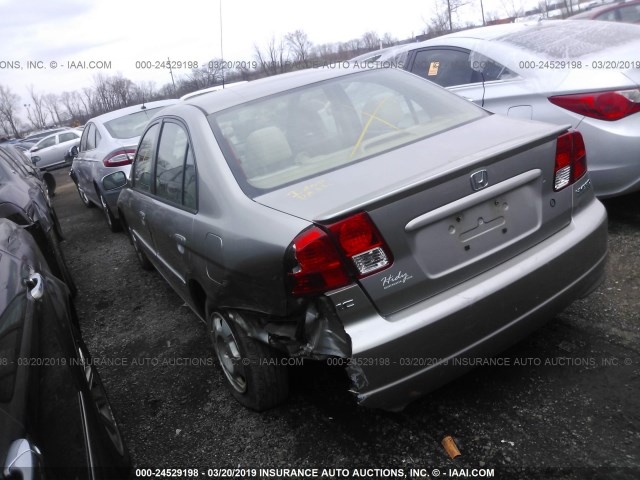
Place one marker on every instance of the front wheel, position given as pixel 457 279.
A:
pixel 254 374
pixel 83 197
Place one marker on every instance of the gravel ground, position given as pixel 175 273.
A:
pixel 568 406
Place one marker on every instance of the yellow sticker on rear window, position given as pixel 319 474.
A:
pixel 433 69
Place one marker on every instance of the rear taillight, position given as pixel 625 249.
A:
pixel 571 160
pixel 119 158
pixel 601 105
pixel 322 260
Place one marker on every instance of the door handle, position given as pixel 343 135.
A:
pixel 181 241
pixel 36 286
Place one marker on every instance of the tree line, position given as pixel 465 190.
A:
pixel 292 51
pixel 289 52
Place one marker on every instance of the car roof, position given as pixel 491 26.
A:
pixel 213 102
pixel 57 132
pixel 545 39
pixel 211 89
pixel 105 117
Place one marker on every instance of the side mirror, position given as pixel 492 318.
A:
pixel 35 159
pixel 115 180
pixel 73 151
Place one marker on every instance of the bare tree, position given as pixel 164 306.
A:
pixel 439 23
pixel 299 46
pixel 513 8
pixel 371 41
pixel 89 104
pixel 452 9
pixel 351 47
pixel 388 40
pixel 37 116
pixel 9 103
pixel 144 92
pixel 208 75
pixel 274 60
pixel 52 104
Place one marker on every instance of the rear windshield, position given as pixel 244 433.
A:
pixel 324 126
pixel 131 125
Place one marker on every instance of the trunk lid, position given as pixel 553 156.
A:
pixel 449 207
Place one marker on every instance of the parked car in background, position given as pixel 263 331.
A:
pixel 370 217
pixel 23 200
pixel 626 12
pixel 55 418
pixel 50 151
pixel 102 161
pixel 29 141
pixel 555 71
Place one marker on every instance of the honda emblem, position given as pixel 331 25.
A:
pixel 479 180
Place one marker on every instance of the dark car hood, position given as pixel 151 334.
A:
pixel 401 171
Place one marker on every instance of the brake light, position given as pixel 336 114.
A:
pixel 361 242
pixel 322 259
pixel 571 160
pixel 608 106
pixel 119 158
pixel 318 267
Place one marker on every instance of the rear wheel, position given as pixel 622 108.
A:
pixel 254 375
pixel 112 222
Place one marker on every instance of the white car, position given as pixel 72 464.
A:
pixel 580 73
pixel 51 151
pixel 102 161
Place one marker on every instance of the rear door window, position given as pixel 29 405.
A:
pixel 88 141
pixel 630 13
pixel 450 67
pixel 47 142
pixel 170 164
pixel 65 137
pixel 143 162
pixel 446 67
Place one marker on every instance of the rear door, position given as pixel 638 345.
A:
pixel 44 153
pixel 175 202
pixel 140 204
pixel 474 76
pixel 87 155
pixel 65 141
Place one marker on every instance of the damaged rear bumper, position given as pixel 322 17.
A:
pixel 404 356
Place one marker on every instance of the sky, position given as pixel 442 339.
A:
pixel 68 42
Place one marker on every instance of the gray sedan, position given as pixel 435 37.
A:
pixel 102 161
pixel 370 219
pixel 582 73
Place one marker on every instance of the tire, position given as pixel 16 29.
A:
pixel 59 266
pixel 143 260
pixel 252 373
pixel 50 182
pixel 83 197
pixel 112 222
